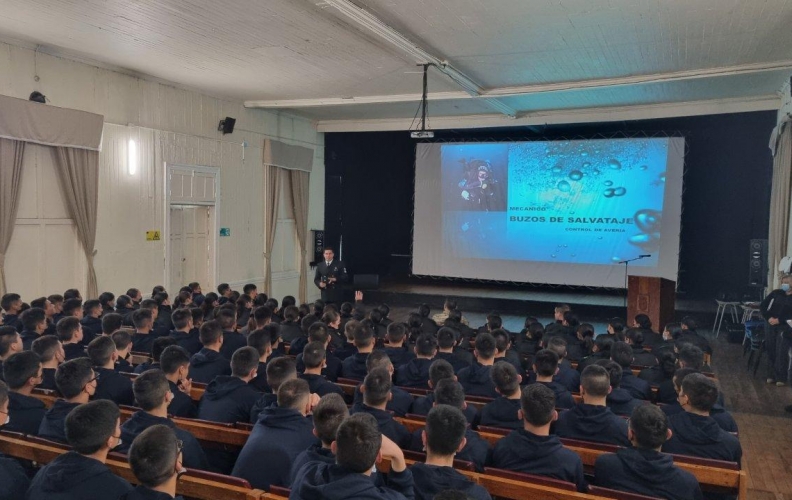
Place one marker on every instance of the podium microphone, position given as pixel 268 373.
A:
pixel 642 256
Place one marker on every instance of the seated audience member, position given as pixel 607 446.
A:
pixel 690 356
pixel 153 396
pixel 290 326
pixel 185 333
pixel 622 354
pixel 10 344
pixel 332 320
pixel 143 339
pixel 12 305
pixel 157 347
pixel 600 350
pixel 398 353
pixel 229 398
pixel 695 432
pixel 401 400
pixel 70 334
pixel 566 376
pixel 313 357
pixel 12 475
pixel 50 353
pixel 347 348
pixel 110 384
pixel 359 445
pixel 76 383
pixel 428 325
pixel 620 401
pixel 91 320
pixel 592 420
pixel 662 376
pixel 354 366
pixel 175 364
pixel 581 345
pixel 375 317
pixel 718 412
pixel 644 324
pixel 123 341
pixel 72 308
pixel 546 366
pixel 280 370
pixel 107 301
pixel 464 332
pixel 532 449
pixel 476 450
pixel 207 363
pixel 476 379
pixel 49 312
pixel 443 438
pixel 642 469
pixel 124 308
pixel 556 327
pixel 504 410
pixel 298 344
pixel 688 334
pixel 262 316
pixel 22 372
pixel 504 351
pixel 232 340
pixel 111 323
pixel 615 329
pixel 156 460
pixel 448 306
pixel 376 390
pixel 261 341
pixel 34 324
pixel 416 372
pixel 327 417
pixel 92 430
pixel 641 357
pixel 281 433
pixel 438 370
pixel 317 332
pixel 447 342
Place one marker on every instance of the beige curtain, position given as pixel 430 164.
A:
pixel 78 173
pixel 272 182
pixel 11 153
pixel 299 182
pixel 780 198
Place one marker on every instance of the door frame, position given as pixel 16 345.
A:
pixel 214 217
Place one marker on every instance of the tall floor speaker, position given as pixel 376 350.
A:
pixel 757 263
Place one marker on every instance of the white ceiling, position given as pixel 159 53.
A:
pixel 288 53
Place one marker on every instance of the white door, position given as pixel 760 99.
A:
pixel 189 243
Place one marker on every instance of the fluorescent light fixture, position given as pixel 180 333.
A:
pixel 132 159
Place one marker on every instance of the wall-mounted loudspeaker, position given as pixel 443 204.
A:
pixel 227 126
pixel 757 263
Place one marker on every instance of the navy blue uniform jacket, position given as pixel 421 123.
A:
pixel 194 457
pixel 592 423
pixel 646 472
pixel 207 364
pixel 74 477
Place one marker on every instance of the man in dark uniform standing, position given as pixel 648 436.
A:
pixel 330 275
pixel 776 308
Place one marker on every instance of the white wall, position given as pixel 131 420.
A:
pixel 171 125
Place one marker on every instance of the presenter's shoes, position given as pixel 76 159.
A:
pixel 770 381
pixel 780 384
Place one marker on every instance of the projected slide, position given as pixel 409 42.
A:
pixel 554 212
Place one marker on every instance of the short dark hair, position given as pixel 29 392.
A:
pixel 449 392
pixel 636 336
pixel 622 353
pixel 122 301
pixel 558 345
pixel 485 345
pixel 643 321
pixel 358 442
pixel 701 390
pixel 132 293
pixel 425 345
pixel 173 358
pixel 546 362
pixel 32 318
pixel 210 333
pixel 378 359
pixel 505 377
pixel 445 429
pixel 377 386
pixel 55 298
pixel 317 332
pixel 19 368
pixel 72 293
pixel 287 301
pixel 8 299
pixel 279 370
pixel 440 369
pixel 159 345
pixel 150 388
pixel 90 425
pixel 46 347
pixel 142 317
pixel 292 393
pixel 314 355
pixel 649 423
pixel 396 332
pixel 71 305
pixel 122 339
pixel 363 334
pixel 328 415
pixel 424 310
pixel 446 337
pixel 153 454
pixel 617 324
pixel 101 350
pixel 502 340
pixel 225 318
pixel 615 371
pixel 291 313
pixel 8 336
pixel 260 340
pixel 595 380
pixel 261 314
pixel 90 305
pixel 243 361
pixel 680 375
pixel 106 298
pixel 249 287
pixel 111 322
pixel 72 376
pixel 40 302
pixel 150 304
pixel 538 404
pixel 181 318
pixel 691 356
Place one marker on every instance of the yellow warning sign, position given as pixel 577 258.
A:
pixel 152 236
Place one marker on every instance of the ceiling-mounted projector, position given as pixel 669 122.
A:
pixel 422 134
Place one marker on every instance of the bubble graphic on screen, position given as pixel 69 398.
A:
pixel 609 183
pixel 643 167
pixel 648 220
pixel 597 172
pixel 557 169
pixel 614 164
pixel 576 175
pixel 564 187
pixel 552 256
pixel 599 237
pixel 648 242
pixel 609 193
pixel 586 164
pixel 620 191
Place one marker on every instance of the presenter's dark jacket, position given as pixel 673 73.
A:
pixel 429 480
pixel 567 376
pixel 621 402
pixel 92 328
pixel 314 453
pixel 72 476
pixel 423 404
pixel 331 371
pixel 701 436
pixel 563 397
pixel 231 342
pixel 401 402
pixel 53 426
pixel 143 493
pixel 206 365
pixel 476 380
pixel 280 434
pixel 389 427
pixel 113 386
pixel 400 355
pixel 333 292
pixel 73 351
pixel 457 363
pixel 501 412
pixel 645 472
pixel 190 341
pixel 12 477
pixel 25 413
pixel 592 423
pixel 320 385
pixel 182 405
pixel 194 457
pixel 354 366
pixel 227 399
pixel 523 451
pixel 323 481
pixel 414 374
pixel 639 388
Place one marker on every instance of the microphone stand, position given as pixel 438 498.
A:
pixel 626 264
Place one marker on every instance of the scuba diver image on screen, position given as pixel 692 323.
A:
pixel 480 189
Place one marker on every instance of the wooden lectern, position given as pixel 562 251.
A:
pixel 654 297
